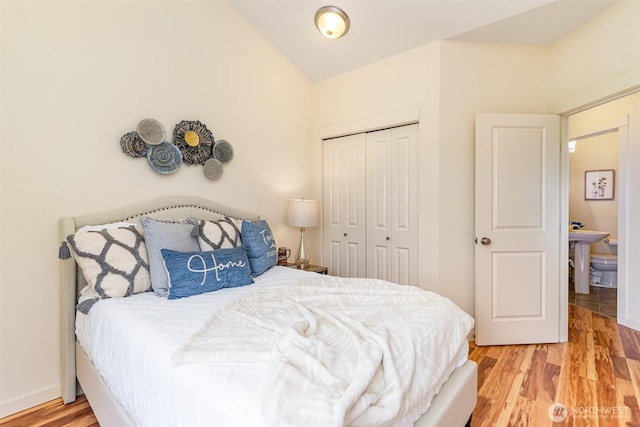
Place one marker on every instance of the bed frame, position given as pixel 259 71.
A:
pixel 452 406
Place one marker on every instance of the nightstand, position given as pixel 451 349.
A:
pixel 312 268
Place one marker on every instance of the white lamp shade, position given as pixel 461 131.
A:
pixel 302 213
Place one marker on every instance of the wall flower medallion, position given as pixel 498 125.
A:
pixel 194 140
pixel 165 158
pixel 223 151
pixel 151 131
pixel 132 145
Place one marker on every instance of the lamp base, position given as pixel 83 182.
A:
pixel 302 259
pixel 302 265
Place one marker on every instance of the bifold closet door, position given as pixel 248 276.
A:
pixel 392 196
pixel 345 206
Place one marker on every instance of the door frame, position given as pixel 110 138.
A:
pixel 563 299
pixel 621 125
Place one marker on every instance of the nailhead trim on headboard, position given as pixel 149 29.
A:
pixel 173 207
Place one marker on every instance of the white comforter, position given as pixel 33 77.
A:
pixel 334 347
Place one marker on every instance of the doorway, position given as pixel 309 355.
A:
pixel 593 205
pixel 618 117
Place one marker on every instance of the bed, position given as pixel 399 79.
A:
pixel 151 360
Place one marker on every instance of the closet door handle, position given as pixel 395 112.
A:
pixel 345 234
pixel 387 238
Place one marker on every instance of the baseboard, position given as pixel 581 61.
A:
pixel 629 323
pixel 29 400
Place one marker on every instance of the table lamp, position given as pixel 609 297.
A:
pixel 302 213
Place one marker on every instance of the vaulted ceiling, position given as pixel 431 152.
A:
pixel 383 28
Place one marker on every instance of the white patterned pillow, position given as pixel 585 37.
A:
pixel 113 260
pixel 221 234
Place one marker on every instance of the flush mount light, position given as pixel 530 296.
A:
pixel 332 22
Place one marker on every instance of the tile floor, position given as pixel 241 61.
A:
pixel 600 300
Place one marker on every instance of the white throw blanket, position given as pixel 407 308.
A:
pixel 342 351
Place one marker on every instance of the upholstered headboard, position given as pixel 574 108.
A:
pixel 72 281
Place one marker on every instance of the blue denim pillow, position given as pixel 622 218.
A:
pixel 193 273
pixel 260 245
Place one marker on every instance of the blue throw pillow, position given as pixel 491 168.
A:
pixel 193 273
pixel 260 245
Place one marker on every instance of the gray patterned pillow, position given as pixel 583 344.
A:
pixel 158 235
pixel 113 260
pixel 220 234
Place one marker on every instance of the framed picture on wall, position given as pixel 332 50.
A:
pixel 599 185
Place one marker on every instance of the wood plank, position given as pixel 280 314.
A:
pixel 54 414
pixel 630 342
pixel 628 404
pixel 550 380
pixel 634 370
pixel 555 352
pixel 534 373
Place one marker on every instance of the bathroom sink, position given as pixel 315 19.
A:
pixel 590 236
pixel 584 239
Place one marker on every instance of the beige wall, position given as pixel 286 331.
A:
pixel 76 76
pixel 597 59
pixel 447 83
pixel 475 78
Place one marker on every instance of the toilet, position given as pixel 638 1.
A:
pixel 604 267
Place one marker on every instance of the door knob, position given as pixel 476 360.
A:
pixel 345 234
pixel 485 241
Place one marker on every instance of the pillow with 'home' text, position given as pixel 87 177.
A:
pixel 193 273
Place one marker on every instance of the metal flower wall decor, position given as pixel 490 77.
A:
pixel 193 144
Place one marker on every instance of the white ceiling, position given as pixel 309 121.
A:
pixel 383 28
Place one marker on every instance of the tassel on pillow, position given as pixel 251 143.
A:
pixel 195 232
pixel 63 251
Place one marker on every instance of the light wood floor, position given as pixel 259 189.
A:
pixel 54 414
pixel 595 376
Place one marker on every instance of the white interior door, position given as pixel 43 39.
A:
pixel 518 220
pixel 345 206
pixel 392 197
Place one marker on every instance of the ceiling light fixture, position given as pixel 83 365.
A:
pixel 332 22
